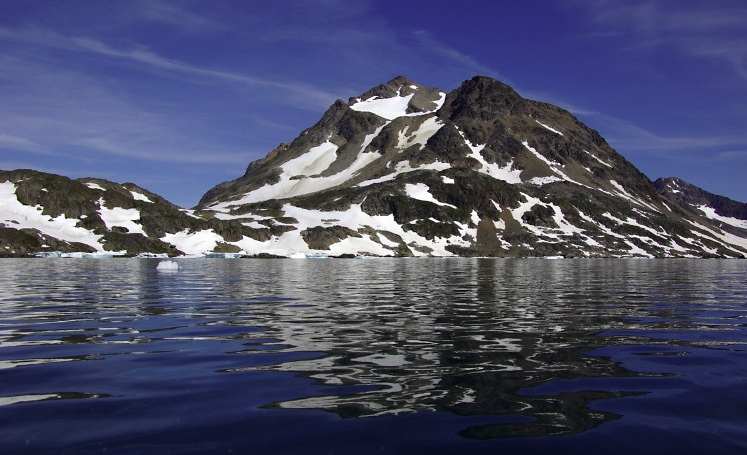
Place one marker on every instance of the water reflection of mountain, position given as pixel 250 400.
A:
pixel 462 336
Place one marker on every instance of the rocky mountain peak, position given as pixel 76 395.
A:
pixel 399 86
pixel 482 97
pixel 410 170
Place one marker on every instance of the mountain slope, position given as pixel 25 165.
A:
pixel 410 170
pixel 47 212
pixel 725 213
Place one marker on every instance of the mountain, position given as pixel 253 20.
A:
pixel 728 214
pixel 47 212
pixel 409 170
pixel 401 170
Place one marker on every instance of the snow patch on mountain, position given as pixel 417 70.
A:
pixel 426 130
pixel 140 197
pixel 120 217
pixel 388 108
pixel 549 128
pixel 354 218
pixel 604 163
pixel 296 177
pixel 421 192
pixel 94 186
pixel 710 212
pixel 505 173
pixel 193 242
pixel 19 216
pixel 403 167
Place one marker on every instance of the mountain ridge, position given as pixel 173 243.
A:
pixel 410 170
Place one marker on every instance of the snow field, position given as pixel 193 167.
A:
pixel 388 108
pixel 391 108
pixel 118 216
pixel 710 212
pixel 21 216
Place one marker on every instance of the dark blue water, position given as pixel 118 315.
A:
pixel 373 356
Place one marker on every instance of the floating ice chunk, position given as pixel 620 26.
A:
pixel 167 266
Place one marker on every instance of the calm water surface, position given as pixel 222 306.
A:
pixel 373 356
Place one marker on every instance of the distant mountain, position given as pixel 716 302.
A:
pixel 401 170
pixel 726 213
pixel 47 212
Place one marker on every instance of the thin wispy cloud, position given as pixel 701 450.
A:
pixel 173 14
pixel 453 57
pixel 689 28
pixel 305 95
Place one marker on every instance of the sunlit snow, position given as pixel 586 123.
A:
pixel 421 192
pixel 193 242
pixel 403 167
pixel 492 169
pixel 710 212
pixel 118 216
pixel 427 129
pixel 388 108
pixel 94 186
pixel 549 128
pixel 21 216
pixel 391 108
pixel 140 197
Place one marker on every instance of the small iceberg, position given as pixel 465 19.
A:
pixel 48 254
pixel 168 266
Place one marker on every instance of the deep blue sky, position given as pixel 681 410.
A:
pixel 177 96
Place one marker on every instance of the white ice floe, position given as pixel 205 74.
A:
pixel 167 266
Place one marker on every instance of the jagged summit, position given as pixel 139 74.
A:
pixel 400 96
